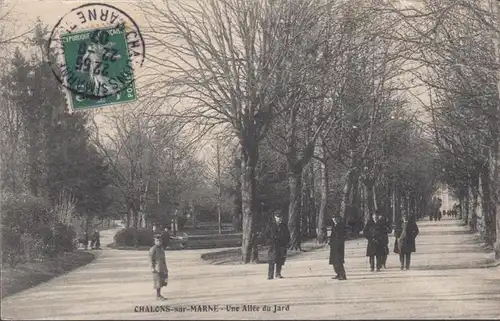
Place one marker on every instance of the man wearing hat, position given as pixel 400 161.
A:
pixel 385 229
pixel 158 266
pixel 279 237
pixel 337 247
pixel 405 234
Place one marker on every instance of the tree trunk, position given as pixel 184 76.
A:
pixel 304 207
pixel 463 205
pixel 324 203
pixel 398 205
pixel 465 217
pixel 237 209
pixel 492 218
pixel 248 185
pixel 142 214
pixel 356 200
pixel 295 186
pixel 475 205
pixel 364 201
pixel 312 203
pixel 393 204
pixel 347 192
pixel 194 214
pixel 369 198
pixel 461 200
pixel 129 215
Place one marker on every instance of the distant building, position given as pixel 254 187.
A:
pixel 448 201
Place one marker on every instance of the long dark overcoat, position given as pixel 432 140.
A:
pixel 279 237
pixel 337 243
pixel 386 229
pixel 375 233
pixel 405 242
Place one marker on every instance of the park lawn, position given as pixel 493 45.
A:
pixel 233 256
pixel 197 239
pixel 27 275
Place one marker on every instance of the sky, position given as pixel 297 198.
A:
pixel 24 13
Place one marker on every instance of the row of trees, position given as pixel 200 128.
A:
pixel 59 168
pixel 459 60
pixel 311 92
pixel 309 102
pixel 50 170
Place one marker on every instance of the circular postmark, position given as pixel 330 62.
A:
pixel 94 50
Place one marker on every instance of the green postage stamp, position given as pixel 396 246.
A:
pixel 99 60
pixel 94 52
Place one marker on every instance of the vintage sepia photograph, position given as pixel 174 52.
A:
pixel 250 159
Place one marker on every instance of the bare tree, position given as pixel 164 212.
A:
pixel 304 107
pixel 458 47
pixel 221 59
pixel 143 153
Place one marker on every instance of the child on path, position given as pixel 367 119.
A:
pixel 158 266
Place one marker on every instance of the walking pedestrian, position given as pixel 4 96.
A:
pixel 375 249
pixel 386 229
pixel 158 266
pixel 95 242
pixel 337 247
pixel 278 237
pixel 405 240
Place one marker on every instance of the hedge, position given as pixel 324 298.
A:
pixel 131 236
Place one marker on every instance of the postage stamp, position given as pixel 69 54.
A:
pixel 94 51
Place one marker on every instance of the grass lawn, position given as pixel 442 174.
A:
pixel 194 242
pixel 197 239
pixel 27 275
pixel 233 256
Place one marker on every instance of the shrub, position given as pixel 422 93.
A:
pixel 134 237
pixel 45 235
pixel 23 212
pixel 11 247
pixel 125 236
pixel 144 237
pixel 64 238
pixel 27 230
pixel 181 222
pixel 32 247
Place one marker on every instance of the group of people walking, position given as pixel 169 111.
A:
pixel 376 231
pixel 437 215
pixel 94 239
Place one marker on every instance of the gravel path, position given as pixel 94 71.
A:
pixel 447 280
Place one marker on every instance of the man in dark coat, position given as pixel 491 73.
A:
pixel 337 247
pixel 95 242
pixel 375 249
pixel 386 229
pixel 278 238
pixel 405 240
